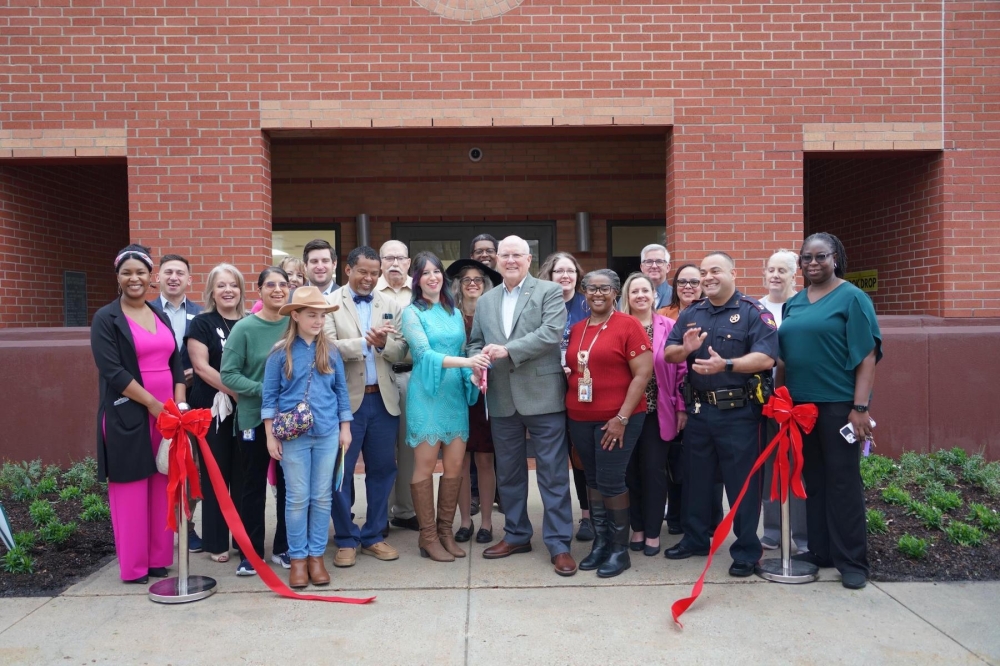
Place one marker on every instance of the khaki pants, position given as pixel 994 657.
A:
pixel 400 501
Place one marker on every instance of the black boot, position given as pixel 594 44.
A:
pixel 600 548
pixel 618 524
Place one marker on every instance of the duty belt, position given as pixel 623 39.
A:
pixel 402 367
pixel 723 398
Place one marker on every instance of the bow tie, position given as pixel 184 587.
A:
pixel 366 299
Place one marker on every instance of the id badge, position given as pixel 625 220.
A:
pixel 248 435
pixel 584 392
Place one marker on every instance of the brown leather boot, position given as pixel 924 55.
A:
pixel 317 570
pixel 448 489
pixel 423 504
pixel 298 577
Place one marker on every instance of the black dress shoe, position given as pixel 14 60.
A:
pixel 406 523
pixel 141 580
pixel 812 558
pixel 741 569
pixel 681 552
pixel 673 529
pixel 636 545
pixel 484 535
pixel 464 534
pixel 650 551
pixel 158 572
pixel 853 580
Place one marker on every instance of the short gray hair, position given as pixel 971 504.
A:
pixel 787 257
pixel 653 247
pixel 616 282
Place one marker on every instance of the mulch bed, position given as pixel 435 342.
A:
pixel 945 561
pixel 57 567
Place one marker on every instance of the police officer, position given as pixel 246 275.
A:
pixel 725 338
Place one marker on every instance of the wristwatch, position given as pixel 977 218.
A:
pixel 623 419
pixel 729 365
pixel 861 408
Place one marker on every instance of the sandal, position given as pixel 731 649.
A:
pixel 219 557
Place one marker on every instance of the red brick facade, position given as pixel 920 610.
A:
pixel 193 95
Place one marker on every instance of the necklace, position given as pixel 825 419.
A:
pixel 585 383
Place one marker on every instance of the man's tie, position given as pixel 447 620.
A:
pixel 366 299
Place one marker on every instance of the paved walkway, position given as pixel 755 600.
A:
pixel 512 611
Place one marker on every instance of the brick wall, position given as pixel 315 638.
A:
pixel 888 213
pixel 54 219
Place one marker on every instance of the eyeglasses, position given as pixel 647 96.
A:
pixel 820 257
pixel 480 251
pixel 276 285
pixel 688 283
pixel 515 257
pixel 653 262
pixel 564 271
pixel 466 281
pixel 393 259
pixel 603 289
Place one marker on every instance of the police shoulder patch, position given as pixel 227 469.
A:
pixel 768 319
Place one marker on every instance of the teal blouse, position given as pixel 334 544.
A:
pixel 823 343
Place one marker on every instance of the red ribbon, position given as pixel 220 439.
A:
pixel 271 579
pixel 791 419
pixel 176 427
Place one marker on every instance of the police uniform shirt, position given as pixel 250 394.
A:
pixel 735 329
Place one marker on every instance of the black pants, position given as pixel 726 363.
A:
pixel 727 440
pixel 675 486
pixel 224 442
pixel 835 508
pixel 646 478
pixel 605 468
pixel 255 462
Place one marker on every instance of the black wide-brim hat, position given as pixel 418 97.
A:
pixel 457 266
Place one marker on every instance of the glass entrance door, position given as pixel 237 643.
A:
pixel 450 241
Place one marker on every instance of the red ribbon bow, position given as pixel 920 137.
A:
pixel 791 419
pixel 176 427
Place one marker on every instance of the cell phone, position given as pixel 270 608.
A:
pixel 847 432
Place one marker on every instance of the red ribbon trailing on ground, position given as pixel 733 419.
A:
pixel 793 421
pixel 191 423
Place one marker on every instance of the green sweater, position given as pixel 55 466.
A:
pixel 243 361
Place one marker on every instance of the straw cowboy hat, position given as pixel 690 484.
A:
pixel 307 297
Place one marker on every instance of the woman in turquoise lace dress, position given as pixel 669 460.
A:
pixel 437 403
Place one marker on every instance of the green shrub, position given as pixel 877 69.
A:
pixel 876 522
pixel 56 532
pixel 931 516
pixel 981 474
pixel 955 457
pixel 893 494
pixel 92 499
pixel 17 561
pixel 24 493
pixel 82 474
pixel 964 534
pixel 14 476
pixel 52 472
pixel 41 512
pixel 945 500
pixel 47 486
pixel 911 466
pixel 96 513
pixel 912 547
pixel 875 469
pixel 25 540
pixel 985 516
pixel 70 493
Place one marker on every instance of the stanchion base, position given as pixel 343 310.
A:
pixel 165 591
pixel 797 571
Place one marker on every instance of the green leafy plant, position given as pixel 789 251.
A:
pixel 987 518
pixel 96 513
pixel 17 561
pixel 945 500
pixel 875 469
pixel 964 534
pixel 70 493
pixel 56 532
pixel 41 512
pixel 931 516
pixel 912 547
pixel 955 457
pixel 24 493
pixel 82 474
pixel 876 522
pixel 52 472
pixel 25 540
pixel 92 499
pixel 911 466
pixel 893 494
pixel 14 476
pixel 981 474
pixel 47 486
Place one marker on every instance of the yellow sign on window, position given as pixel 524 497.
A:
pixel 866 281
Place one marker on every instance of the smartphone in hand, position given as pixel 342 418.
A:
pixel 847 432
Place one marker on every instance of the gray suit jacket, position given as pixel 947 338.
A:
pixel 531 380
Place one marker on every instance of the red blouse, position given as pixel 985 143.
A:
pixel 623 340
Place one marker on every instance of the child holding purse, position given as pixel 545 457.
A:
pixel 307 413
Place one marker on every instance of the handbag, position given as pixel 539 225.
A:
pixel 286 426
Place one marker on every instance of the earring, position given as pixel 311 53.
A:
pixel 119 289
pixel 835 264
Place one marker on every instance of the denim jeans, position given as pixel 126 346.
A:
pixel 605 468
pixel 308 462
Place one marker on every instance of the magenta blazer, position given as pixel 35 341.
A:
pixel 669 377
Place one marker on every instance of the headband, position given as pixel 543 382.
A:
pixel 141 256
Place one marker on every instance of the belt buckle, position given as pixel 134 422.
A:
pixel 711 398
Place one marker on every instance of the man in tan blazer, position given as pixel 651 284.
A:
pixel 364 330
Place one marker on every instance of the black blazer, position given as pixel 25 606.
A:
pixel 124 449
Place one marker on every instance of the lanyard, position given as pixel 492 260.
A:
pixel 583 357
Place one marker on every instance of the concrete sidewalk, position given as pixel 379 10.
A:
pixel 516 610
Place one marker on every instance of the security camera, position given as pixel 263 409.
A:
pixel 475 154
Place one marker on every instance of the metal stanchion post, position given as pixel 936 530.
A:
pixel 183 588
pixel 785 569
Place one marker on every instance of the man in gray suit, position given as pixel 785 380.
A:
pixel 520 327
